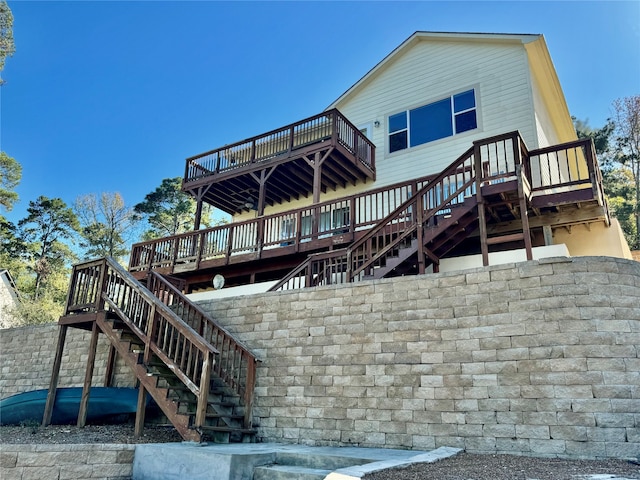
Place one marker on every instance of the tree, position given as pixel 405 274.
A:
pixel 48 223
pixel 627 152
pixel 617 177
pixel 7 46
pixel 10 175
pixel 106 224
pixel 169 210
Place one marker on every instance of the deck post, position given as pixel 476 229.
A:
pixel 111 362
pixel 55 374
pixel 140 410
pixel 196 223
pixel 482 221
pixel 524 214
pixel 86 389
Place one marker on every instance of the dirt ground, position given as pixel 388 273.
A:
pixel 464 466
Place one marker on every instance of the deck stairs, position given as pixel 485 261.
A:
pixel 197 374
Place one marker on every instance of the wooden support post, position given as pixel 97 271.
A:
pixel 419 219
pixel 86 389
pixel 140 410
pixel 111 363
pixel 524 214
pixel 482 220
pixel 53 384
pixel 317 178
pixel 196 223
pixel 547 232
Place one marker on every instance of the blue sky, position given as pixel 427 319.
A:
pixel 113 96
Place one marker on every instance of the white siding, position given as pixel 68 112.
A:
pixel 429 71
pixel 544 127
pixel 432 70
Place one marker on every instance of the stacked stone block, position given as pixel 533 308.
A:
pixel 535 358
pixel 67 462
pixel 27 355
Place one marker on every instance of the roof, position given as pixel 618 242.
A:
pixel 539 60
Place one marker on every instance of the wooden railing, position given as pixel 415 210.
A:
pixel 492 160
pixel 329 125
pixel 172 327
pixel 571 165
pixel 443 193
pixel 235 364
pixel 344 216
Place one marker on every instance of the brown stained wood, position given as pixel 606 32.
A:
pixel 86 389
pixel 141 410
pixel 111 362
pixel 55 374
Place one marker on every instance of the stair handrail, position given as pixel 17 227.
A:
pixel 306 267
pixel 236 365
pixel 107 285
pixel 421 217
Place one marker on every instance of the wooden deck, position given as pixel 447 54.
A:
pixel 320 153
pixel 563 185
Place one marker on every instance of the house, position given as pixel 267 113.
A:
pixel 456 150
pixel 317 184
pixel 9 298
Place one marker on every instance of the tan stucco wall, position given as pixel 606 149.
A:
pixel 594 239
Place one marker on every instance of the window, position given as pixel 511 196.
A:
pixel 444 118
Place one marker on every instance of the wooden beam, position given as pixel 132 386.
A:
pixel 86 389
pixel 585 214
pixel 55 374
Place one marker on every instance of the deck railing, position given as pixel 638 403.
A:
pixel 174 328
pixel 235 364
pixel 293 228
pixel 327 126
pixel 492 160
pixel 101 284
pixel 569 166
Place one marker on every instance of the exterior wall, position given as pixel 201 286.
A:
pixel 537 358
pixel 596 239
pixel 427 72
pixel 27 354
pixel 430 71
pixel 77 462
pixel 545 132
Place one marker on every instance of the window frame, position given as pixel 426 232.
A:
pixel 454 115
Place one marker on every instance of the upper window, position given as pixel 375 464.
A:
pixel 444 118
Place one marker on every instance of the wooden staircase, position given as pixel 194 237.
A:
pixel 489 192
pixel 199 376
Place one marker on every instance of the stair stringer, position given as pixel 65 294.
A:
pixel 149 382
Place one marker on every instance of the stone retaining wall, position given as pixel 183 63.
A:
pixel 27 354
pixel 537 358
pixel 66 462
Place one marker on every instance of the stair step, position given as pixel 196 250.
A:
pixel 331 462
pixel 216 415
pixel 286 472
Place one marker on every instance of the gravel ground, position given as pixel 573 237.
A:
pixel 464 466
